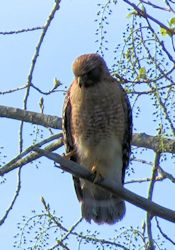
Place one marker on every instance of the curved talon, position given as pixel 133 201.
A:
pixel 68 155
pixel 98 178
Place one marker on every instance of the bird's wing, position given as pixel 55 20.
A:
pixel 68 140
pixel 128 131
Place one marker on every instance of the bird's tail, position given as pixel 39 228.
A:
pixel 100 205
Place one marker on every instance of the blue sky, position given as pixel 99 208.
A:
pixel 71 33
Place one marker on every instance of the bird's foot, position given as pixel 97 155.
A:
pixel 67 156
pixel 98 176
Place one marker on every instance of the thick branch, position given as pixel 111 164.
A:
pixel 80 171
pixel 139 139
pixel 31 117
pixel 29 158
pixel 153 142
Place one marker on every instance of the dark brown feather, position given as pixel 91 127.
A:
pixel 69 143
pixel 128 134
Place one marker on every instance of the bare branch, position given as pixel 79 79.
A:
pixel 21 31
pixel 80 171
pixel 164 174
pixel 38 47
pixel 31 117
pixel 162 233
pixel 144 14
pixel 12 90
pixel 153 142
pixel 29 158
pixel 30 149
pixel 53 90
pixel 150 196
pixel 71 231
pixel 158 178
pixel 60 243
pixel 34 60
pixel 155 6
pixel 169 6
pixel 14 198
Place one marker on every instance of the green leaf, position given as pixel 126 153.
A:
pixel 56 82
pixel 142 73
pixel 165 32
pixel 133 13
pixel 128 54
pixel 172 21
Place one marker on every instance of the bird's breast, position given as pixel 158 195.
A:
pixel 96 114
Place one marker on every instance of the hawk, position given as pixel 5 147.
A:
pixel 97 131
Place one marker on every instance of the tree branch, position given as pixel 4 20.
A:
pixel 139 139
pixel 18 188
pixel 18 162
pixel 31 117
pixel 71 231
pixel 153 142
pixel 162 233
pixel 150 196
pixel 12 32
pixel 144 14
pixel 80 171
pixel 33 64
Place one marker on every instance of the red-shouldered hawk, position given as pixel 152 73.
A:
pixel 97 129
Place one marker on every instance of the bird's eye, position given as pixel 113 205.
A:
pixel 90 74
pixel 94 74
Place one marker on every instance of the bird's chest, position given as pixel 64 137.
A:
pixel 94 116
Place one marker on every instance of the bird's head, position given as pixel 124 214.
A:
pixel 89 69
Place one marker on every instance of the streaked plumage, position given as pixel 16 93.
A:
pixel 97 125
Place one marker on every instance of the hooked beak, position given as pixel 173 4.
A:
pixel 82 80
pixel 79 80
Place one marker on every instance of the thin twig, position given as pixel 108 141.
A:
pixel 158 178
pixel 38 47
pixel 53 90
pixel 144 14
pixel 155 6
pixel 166 174
pixel 168 53
pixel 72 232
pixel 14 198
pixel 29 158
pixel 30 149
pixel 20 31
pixel 33 64
pixel 162 233
pixel 69 232
pixel 169 6
pixel 12 90
pixel 150 196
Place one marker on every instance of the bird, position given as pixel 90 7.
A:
pixel 97 134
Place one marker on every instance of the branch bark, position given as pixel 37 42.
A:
pixel 139 139
pixel 18 163
pixel 153 142
pixel 79 171
pixel 31 117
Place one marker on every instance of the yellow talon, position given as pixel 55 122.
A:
pixel 68 155
pixel 98 176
